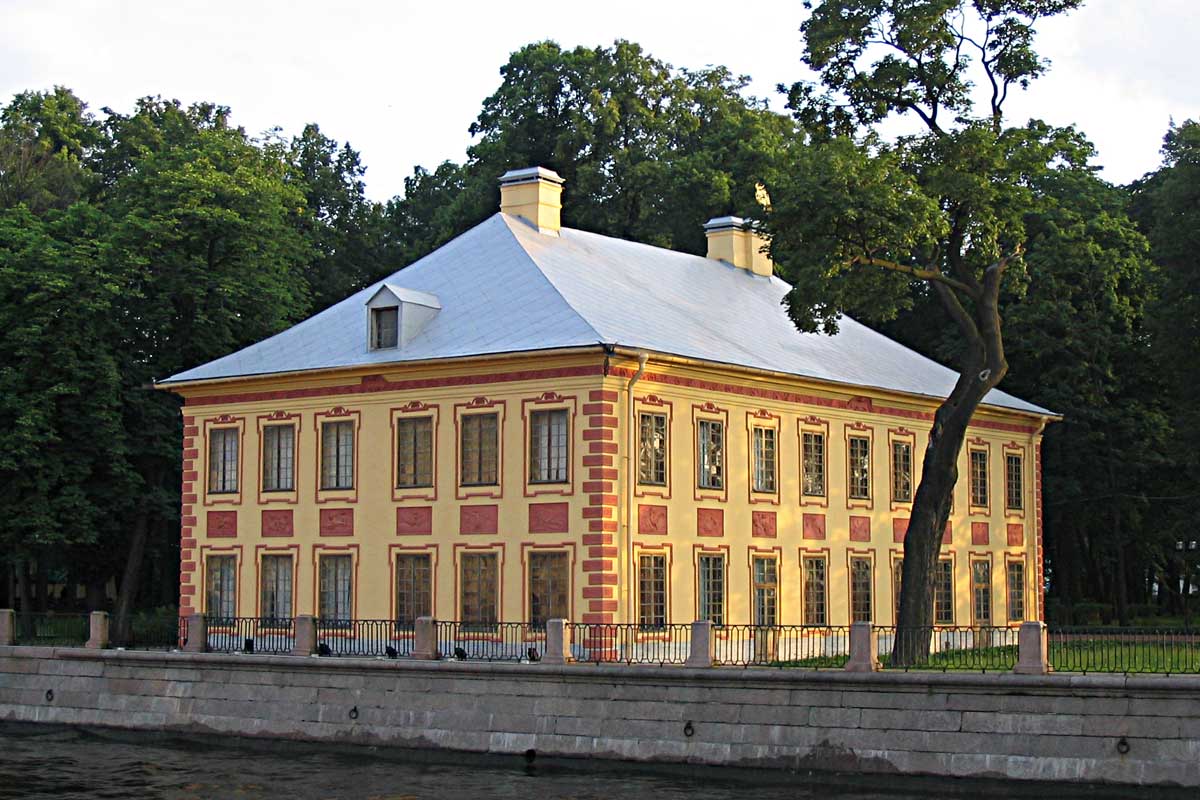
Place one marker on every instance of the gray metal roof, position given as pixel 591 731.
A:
pixel 504 287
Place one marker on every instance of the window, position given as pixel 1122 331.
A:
pixel 385 327
pixel 710 448
pixel 479 449
pixel 897 583
pixel 548 446
pixel 1016 591
pixel 902 472
pixel 979 478
pixel 337 455
pixel 981 591
pixel 860 590
pixel 336 589
pixel 276 588
pixel 279 448
pixel 414 452
pixel 860 468
pixel 652 590
pixel 711 584
pixel 652 450
pixel 1014 481
pixel 414 588
pixel 221 601
pixel 766 591
pixel 813 445
pixel 480 579
pixel 223 460
pixel 764 459
pixel 814 591
pixel 549 587
pixel 943 593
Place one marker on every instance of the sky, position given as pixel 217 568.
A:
pixel 402 81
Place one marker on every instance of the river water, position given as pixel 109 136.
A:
pixel 65 763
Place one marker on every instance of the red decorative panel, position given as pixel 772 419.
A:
pixel 548 517
pixel 860 529
pixel 337 522
pixel 762 524
pixel 947 535
pixel 899 529
pixel 277 523
pixel 414 521
pixel 652 519
pixel 710 522
pixel 478 519
pixel 813 526
pixel 979 533
pixel 222 524
pixel 1016 534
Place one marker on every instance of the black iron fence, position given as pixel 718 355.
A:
pixel 978 648
pixel 800 646
pixel 628 643
pixel 150 630
pixel 1154 650
pixel 51 630
pixel 490 641
pixel 250 634
pixel 383 638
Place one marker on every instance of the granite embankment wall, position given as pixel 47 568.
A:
pixel 1115 729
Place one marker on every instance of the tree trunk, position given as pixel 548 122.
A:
pixel 122 623
pixel 24 595
pixel 42 581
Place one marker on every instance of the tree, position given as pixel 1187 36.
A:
pixel 855 219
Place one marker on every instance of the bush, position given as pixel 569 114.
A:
pixel 1092 614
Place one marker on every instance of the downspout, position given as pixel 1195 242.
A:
pixel 628 485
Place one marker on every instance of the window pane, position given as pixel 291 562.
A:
pixel 766 591
pixel 1016 591
pixel 1014 481
pixel 335 590
pixel 979 478
pixel 414 587
pixel 711 450
pixel 711 582
pixel 385 327
pixel 981 587
pixel 652 452
pixel 860 590
pixel 221 599
pixel 652 591
pixel 414 452
pixel 479 449
pixel 943 593
pixel 337 455
pixel 860 468
pixel 276 587
pixel 814 464
pixel 279 448
pixel 764 459
pixel 902 472
pixel 549 587
pixel 223 460
pixel 814 591
pixel 548 446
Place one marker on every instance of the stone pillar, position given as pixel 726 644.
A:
pixel 864 647
pixel 700 654
pixel 425 639
pixel 1032 652
pixel 304 640
pixel 558 643
pixel 98 634
pixel 197 634
pixel 8 627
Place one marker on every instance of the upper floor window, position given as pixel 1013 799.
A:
pixel 1014 481
pixel 385 327
pixel 279 449
pixel 548 446
pixel 223 460
pixel 764 459
pixel 710 449
pixel 710 584
pixel 979 478
pixel 860 467
pixel 414 452
pixel 652 449
pixel 902 478
pixel 479 449
pixel 813 445
pixel 337 455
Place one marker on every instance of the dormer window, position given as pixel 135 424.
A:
pixel 385 327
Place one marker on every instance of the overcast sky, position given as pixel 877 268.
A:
pixel 403 80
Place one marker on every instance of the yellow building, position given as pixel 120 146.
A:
pixel 536 422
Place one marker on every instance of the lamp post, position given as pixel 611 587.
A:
pixel 1188 551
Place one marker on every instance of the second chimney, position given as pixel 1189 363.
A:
pixel 737 242
pixel 535 195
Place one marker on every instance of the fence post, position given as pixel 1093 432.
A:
pixel 304 640
pixel 197 638
pixel 97 630
pixel 1032 653
pixel 700 652
pixel 8 627
pixel 558 648
pixel 425 639
pixel 864 647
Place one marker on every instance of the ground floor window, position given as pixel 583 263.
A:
pixel 652 590
pixel 1016 591
pixel 221 592
pixel 414 588
pixel 276 599
pixel 981 592
pixel 549 587
pixel 480 581
pixel 766 591
pixel 814 591
pixel 710 582
pixel 860 590
pixel 335 595
pixel 943 593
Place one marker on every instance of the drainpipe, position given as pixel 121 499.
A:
pixel 628 486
